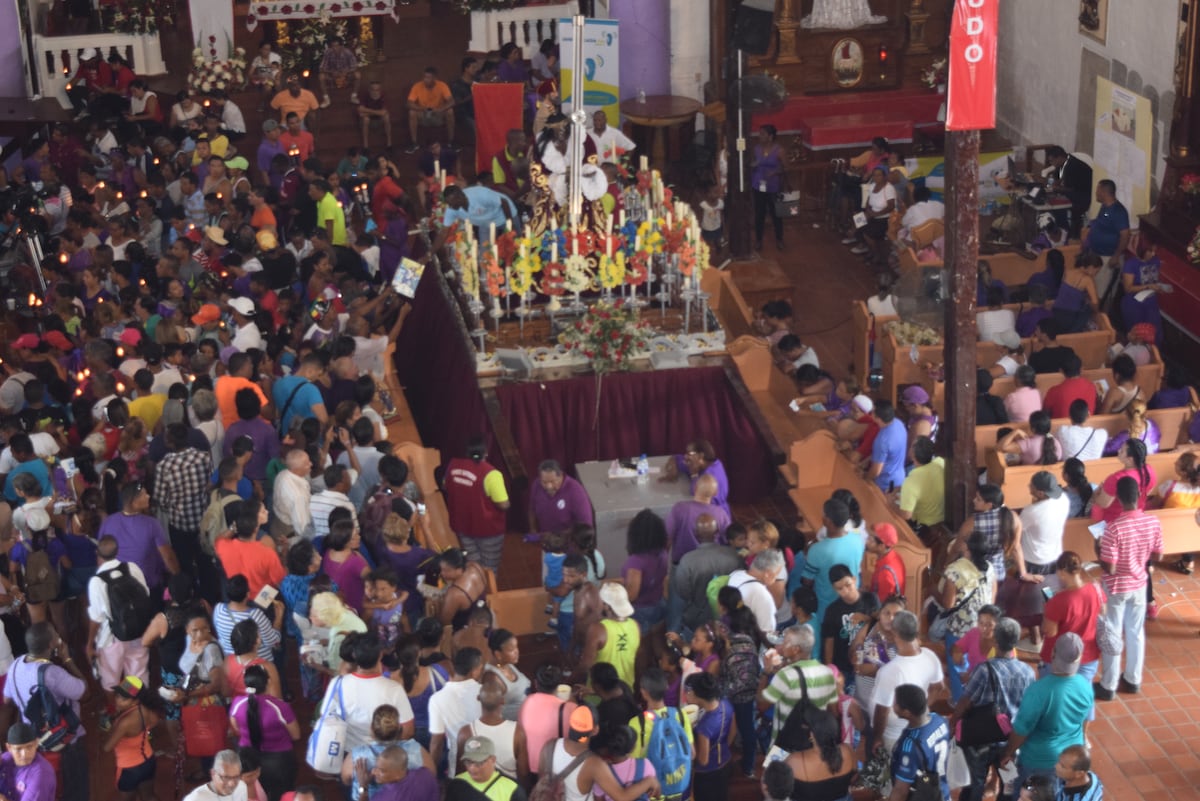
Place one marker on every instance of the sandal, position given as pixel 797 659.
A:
pixel 1184 566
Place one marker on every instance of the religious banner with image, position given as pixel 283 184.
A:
pixel 971 99
pixel 601 66
pixel 285 10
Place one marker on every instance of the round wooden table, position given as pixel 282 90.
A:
pixel 658 113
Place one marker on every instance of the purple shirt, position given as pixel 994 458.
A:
pixel 681 525
pixel 717 471
pixel 274 714
pixel 654 572
pixel 418 785
pixel 22 681
pixel 561 511
pixel 138 539
pixel 267 150
pixel 266 445
pixel 34 782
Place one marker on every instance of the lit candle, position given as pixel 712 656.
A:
pixel 643 164
pixel 622 222
pixel 492 233
pixel 508 225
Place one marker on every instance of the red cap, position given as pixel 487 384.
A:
pixel 59 340
pixel 886 533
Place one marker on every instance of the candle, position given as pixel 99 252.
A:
pixel 508 225
pixel 608 225
pixel 622 224
pixel 443 180
pixel 643 164
pixel 492 233
pixel 637 242
pixel 669 219
pixel 554 252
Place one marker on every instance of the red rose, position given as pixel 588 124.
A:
pixel 310 9
pixel 357 6
pixel 263 11
pixel 335 8
pixel 212 38
pixel 589 354
pixel 285 9
pixel 380 6
pixel 615 335
pixel 251 19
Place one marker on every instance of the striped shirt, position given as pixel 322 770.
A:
pixel 322 504
pixel 225 618
pixel 1126 544
pixel 787 689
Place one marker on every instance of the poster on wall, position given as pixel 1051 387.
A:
pixel 601 66
pixel 1093 19
pixel 1123 138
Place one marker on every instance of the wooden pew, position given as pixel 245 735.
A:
pixel 1180 533
pixel 1172 423
pixel 864 328
pixel 1011 268
pixel 727 303
pixel 1014 479
pixel 825 470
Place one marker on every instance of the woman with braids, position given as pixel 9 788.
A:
pixel 822 765
pixel 1140 427
pixel 266 723
pixel 1075 483
pixel 420 679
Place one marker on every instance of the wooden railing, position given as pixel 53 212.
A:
pixel 55 58
pixel 528 27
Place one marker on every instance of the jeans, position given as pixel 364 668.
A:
pixel 648 617
pixel 743 715
pixel 1125 612
pixel 764 204
pixel 980 759
pixel 74 763
pixel 566 627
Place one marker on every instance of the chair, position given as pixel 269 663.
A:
pixel 927 233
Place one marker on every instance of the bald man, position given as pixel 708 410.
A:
pixel 394 778
pixel 506 736
pixel 681 522
pixel 687 599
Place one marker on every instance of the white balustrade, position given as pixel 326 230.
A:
pixel 55 58
pixel 527 26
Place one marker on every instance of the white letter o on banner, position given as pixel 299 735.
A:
pixel 973 54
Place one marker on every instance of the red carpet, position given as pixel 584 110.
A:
pixel 844 120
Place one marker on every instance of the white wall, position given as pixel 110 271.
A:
pixel 1040 74
pixel 689 48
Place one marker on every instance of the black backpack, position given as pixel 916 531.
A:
pixel 129 608
pixel 55 723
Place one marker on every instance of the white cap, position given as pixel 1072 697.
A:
pixel 243 306
pixel 863 403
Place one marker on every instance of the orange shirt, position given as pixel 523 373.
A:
pixel 226 390
pixel 303 103
pixel 257 561
pixel 262 218
pixel 430 98
pixel 303 142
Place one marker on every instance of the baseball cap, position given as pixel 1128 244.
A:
pixel 87 55
pixel 616 598
pixel 582 721
pixel 242 306
pixel 1044 481
pixel 863 404
pixel 1008 338
pixel 227 353
pixel 37 519
pixel 1068 650
pixel 209 313
pixel 59 340
pixel 29 341
pixel 915 394
pixel 887 534
pixel 215 234
pixel 266 240
pixel 130 337
pixel 478 749
pixel 1144 331
pixel 270 125
pixel 130 687
pixel 237 163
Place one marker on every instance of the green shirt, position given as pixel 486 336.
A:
pixel 785 690
pixel 329 209
pixel 1051 718
pixel 499 787
pixel 643 726
pixel 620 647
pixel 923 493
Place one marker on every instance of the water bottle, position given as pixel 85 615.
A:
pixel 641 95
pixel 643 469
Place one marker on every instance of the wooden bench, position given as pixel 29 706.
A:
pixel 1011 268
pixel 1172 423
pixel 1013 480
pixel 865 329
pixel 1180 533
pixel 727 303
pixel 825 470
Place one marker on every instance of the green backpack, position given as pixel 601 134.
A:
pixel 715 585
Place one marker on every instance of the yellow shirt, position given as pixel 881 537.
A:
pixel 643 725
pixel 329 209
pixel 620 647
pixel 923 493
pixel 148 408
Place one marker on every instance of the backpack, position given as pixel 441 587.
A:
pixel 212 524
pixel 42 581
pixel 129 608
pixel 715 585
pixel 740 669
pixel 550 786
pixel 670 753
pixel 55 723
pixel 639 773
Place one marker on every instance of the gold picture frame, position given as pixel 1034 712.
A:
pixel 1093 19
pixel 847 61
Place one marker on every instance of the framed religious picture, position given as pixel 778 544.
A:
pixel 1093 19
pixel 847 62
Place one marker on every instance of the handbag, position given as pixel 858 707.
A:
pixel 1111 641
pixel 327 743
pixel 787 203
pixel 940 625
pixel 204 729
pixel 958 774
pixel 986 724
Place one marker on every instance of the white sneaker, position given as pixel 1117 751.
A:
pixel 325 101
pixel 850 240
pixel 858 250
pixel 354 98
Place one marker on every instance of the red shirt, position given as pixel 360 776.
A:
pixel 1075 611
pixel 884 582
pixel 303 141
pixel 472 513
pixel 385 190
pixel 269 302
pixel 868 439
pixel 1059 397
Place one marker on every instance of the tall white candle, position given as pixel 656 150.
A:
pixel 643 164
pixel 622 223
pixel 554 252
pixel 492 233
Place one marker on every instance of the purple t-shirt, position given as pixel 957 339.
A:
pixel 138 539
pixel 654 572
pixel 54 549
pixel 681 525
pixel 418 785
pixel 274 714
pixel 348 576
pixel 715 725
pixel 34 782
pixel 22 682
pixel 717 471
pixel 266 445
pixel 561 511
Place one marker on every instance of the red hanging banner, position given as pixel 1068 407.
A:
pixel 971 93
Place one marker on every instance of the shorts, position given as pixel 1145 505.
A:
pixel 129 779
pixel 713 238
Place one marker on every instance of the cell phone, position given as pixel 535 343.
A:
pixel 1048 592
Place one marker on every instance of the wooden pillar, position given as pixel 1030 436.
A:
pixel 957 431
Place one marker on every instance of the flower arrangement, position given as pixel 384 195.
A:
pixel 608 335
pixel 308 40
pixel 612 270
pixel 523 267
pixel 913 333
pixel 577 275
pixel 1189 184
pixel 935 74
pixel 207 73
pixel 1193 248
pixel 142 17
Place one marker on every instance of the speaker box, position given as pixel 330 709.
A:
pixel 753 25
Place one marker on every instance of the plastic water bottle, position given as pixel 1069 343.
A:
pixel 643 469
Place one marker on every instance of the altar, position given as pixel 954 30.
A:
pixel 616 501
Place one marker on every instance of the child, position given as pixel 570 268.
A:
pixel 384 603
pixel 804 606
pixel 554 551
pixel 736 538
pixel 849 713
pixel 712 217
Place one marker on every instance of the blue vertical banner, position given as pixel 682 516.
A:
pixel 601 66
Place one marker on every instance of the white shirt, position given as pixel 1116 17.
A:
pixel 1042 524
pixel 164 380
pixel 248 336
pixel 12 392
pixel 232 118
pixel 451 708
pixel 44 446
pixel 757 598
pixel 1081 442
pixel 1008 364
pixel 710 215
pixel 6 654
pixel 368 355
pixel 360 696
pixel 882 308
pixel 20 514
pixel 609 142
pixel 991 322
pixel 97 590
pixel 923 670
pixel 290 502
pixel 206 793
pixel 877 200
pixel 322 504
pixel 923 212
pixel 808 357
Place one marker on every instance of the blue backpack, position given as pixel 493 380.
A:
pixel 670 753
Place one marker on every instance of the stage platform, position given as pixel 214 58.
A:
pixel 828 122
